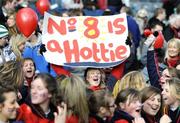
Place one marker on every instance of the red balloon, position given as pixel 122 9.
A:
pixel 147 32
pixel 159 41
pixel 42 6
pixel 26 21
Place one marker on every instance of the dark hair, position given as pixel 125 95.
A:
pixel 98 99
pixel 50 83
pixel 147 92
pixel 150 91
pixel 29 59
pixel 153 24
pixel 4 90
pixel 124 94
pixel 88 69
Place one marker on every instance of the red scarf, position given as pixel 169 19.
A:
pixel 95 88
pixel 172 62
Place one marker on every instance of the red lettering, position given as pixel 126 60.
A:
pixel 61 28
pixel 110 27
pixel 112 54
pixel 69 52
pixel 120 51
pixel 54 46
pixel 95 52
pixel 117 24
pixel 86 53
pixel 92 31
pixel 103 52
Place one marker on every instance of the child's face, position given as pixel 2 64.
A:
pixel 10 106
pixel 173 51
pixel 133 108
pixel 94 77
pixel 152 105
pixel 39 93
pixel 28 69
pixel 168 98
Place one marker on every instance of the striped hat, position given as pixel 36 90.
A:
pixel 3 31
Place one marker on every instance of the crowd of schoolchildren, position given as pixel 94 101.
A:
pixel 145 88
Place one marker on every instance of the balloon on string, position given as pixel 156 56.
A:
pixel 42 6
pixel 26 21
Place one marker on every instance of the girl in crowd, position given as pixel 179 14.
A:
pixel 173 52
pixel 17 43
pixel 8 104
pixel 133 79
pixel 128 102
pixel 101 105
pixel 171 97
pixel 73 92
pixel 152 104
pixel 11 23
pixel 29 74
pixel 94 78
pixel 41 108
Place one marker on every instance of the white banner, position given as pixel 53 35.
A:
pixel 85 40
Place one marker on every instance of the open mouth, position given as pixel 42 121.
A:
pixel 95 79
pixel 165 99
pixel 138 110
pixel 29 71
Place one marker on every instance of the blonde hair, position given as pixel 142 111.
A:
pixel 73 91
pixel 15 42
pixel 174 42
pixel 133 79
pixel 174 86
pixel 11 74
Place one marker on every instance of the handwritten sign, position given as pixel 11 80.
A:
pixel 85 40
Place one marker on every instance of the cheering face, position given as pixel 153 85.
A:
pixel 94 77
pixel 168 98
pixel 152 105
pixel 28 69
pixel 173 51
pixel 133 108
pixel 10 106
pixel 39 92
